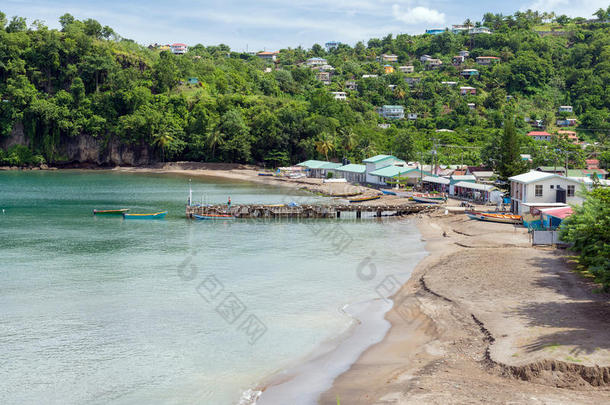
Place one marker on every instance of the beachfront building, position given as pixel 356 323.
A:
pixel 178 48
pixel 436 183
pixel 406 69
pixel 480 193
pixel 316 62
pixel 378 162
pixel 388 174
pixel 392 112
pixel 268 56
pixel 487 60
pixel 535 190
pixel 339 95
pixel 318 168
pixel 352 173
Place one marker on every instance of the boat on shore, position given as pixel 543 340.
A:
pixel 110 212
pixel 213 216
pixel 388 192
pixel 266 174
pixel 362 199
pixel 428 200
pixel 155 215
pixel 496 217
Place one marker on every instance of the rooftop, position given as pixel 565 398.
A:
pixel 474 186
pixel 436 179
pixel 378 158
pixel 352 168
pixel 532 176
pixel 538 133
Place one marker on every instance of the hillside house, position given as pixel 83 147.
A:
pixel 383 126
pixel 412 116
pixel 433 63
pixel 479 30
pixel 565 109
pixel 570 135
pixel 592 164
pixel 449 83
pixel 388 69
pixel 392 112
pixel 435 31
pixel 535 190
pixel 458 28
pixel 178 48
pixel 193 80
pixel 467 73
pixel 424 58
pixel 458 60
pixel 487 60
pixel 324 77
pixel 568 122
pixel 268 56
pixel 389 57
pixel 339 95
pixel 464 53
pixel 316 62
pixel 412 81
pixel 406 69
pixel 540 135
pixel 369 76
pixel 472 106
pixel 332 45
pixel 351 85
pixel 467 90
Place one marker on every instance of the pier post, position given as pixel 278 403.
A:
pixel 358 214
pixel 338 214
pixel 378 214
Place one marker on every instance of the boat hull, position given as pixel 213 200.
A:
pixel 156 215
pixel 388 192
pixel 426 200
pixel 500 218
pixel 212 217
pixel 110 212
pixel 357 200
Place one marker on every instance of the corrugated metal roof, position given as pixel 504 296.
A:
pixel 378 158
pixel 560 213
pixel 392 171
pixel 474 186
pixel 463 177
pixel 313 164
pixel 437 180
pixel 532 176
pixel 352 168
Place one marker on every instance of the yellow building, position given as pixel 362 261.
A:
pixel 388 69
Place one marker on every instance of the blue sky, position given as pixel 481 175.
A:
pixel 275 24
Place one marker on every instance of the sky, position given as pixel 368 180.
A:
pixel 274 24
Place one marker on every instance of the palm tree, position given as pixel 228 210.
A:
pixel 601 14
pixel 163 139
pixel 349 139
pixel 214 139
pixel 325 145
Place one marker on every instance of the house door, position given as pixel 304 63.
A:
pixel 561 195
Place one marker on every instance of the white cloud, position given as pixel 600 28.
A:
pixel 418 15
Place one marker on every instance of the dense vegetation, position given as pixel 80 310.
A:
pixel 85 79
pixel 589 231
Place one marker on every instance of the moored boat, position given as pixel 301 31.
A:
pixel 213 216
pixel 110 212
pixel 439 197
pixel 361 199
pixel 155 215
pixel 495 217
pixel 428 200
pixel 388 192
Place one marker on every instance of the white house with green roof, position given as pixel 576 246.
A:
pixel 353 173
pixel 377 162
pixel 393 173
pixel 319 168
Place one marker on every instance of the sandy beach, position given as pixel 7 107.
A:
pixel 486 318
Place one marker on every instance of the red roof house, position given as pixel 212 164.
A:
pixel 540 135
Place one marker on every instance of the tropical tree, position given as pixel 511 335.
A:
pixel 325 145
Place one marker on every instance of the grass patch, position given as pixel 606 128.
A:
pixel 552 346
pixel 573 359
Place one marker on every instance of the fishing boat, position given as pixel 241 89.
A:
pixel 428 200
pixel 495 217
pixel 361 199
pixel 266 174
pixel 156 215
pixel 439 197
pixel 388 192
pixel 213 216
pixel 110 212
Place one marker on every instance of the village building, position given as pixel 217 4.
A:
pixel 424 58
pixel 339 95
pixel 540 135
pixel 388 69
pixel 565 109
pixel 384 126
pixel 353 173
pixel 378 162
pixel 538 190
pixel 458 60
pixel 268 56
pixel 436 183
pixel 412 116
pixel 567 122
pixel 433 63
pixel 412 81
pixel 466 90
pixel 389 57
pixel 324 77
pixel 318 168
pixel 435 31
pixel 316 62
pixel 332 45
pixel 477 192
pixel 392 112
pixel 464 53
pixel 467 73
pixel 459 28
pixel 449 83
pixel 370 76
pixel 472 106
pixel 592 164
pixel 406 69
pixel 479 30
pixel 351 85
pixel 487 60
pixel 178 48
pixel 570 135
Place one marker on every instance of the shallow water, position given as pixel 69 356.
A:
pixel 106 310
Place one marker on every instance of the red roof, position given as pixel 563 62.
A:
pixel 177 44
pixel 488 57
pixel 560 213
pixel 592 161
pixel 267 53
pixel 538 133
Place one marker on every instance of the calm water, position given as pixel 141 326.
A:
pixel 103 310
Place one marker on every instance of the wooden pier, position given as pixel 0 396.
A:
pixel 304 211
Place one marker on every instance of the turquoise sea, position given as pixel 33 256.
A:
pixel 102 310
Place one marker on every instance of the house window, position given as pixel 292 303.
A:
pixel 571 191
pixel 552 186
pixel 539 190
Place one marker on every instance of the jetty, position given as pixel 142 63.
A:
pixel 305 210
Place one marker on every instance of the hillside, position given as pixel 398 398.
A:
pixel 83 93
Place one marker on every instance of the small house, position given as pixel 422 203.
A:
pixel 393 112
pixel 459 28
pixel 467 73
pixel 568 122
pixel 332 45
pixel 436 183
pixel 449 83
pixel 466 90
pixel 465 54
pixel 435 31
pixel 369 76
pixel 472 106
pixel 353 173
pixel 412 81
pixel 565 109
pixel 178 48
pixel 406 69
pixel 324 77
pixel 592 164
pixel 540 135
pixel 351 85
pixel 383 126
pixel 458 60
pixel 538 190
pixel 316 62
pixel 412 116
pixel 479 30
pixel 339 95
pixel 570 135
pixel 389 57
pixel 268 56
pixel 424 58
pixel 433 63
pixel 318 168
pixel 388 69
pixel 487 60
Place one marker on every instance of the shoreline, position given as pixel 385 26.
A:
pixel 449 342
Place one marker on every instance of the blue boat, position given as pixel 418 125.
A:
pixel 427 200
pixel 388 192
pixel 213 217
pixel 156 215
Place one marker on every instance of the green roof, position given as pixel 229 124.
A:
pixel 353 168
pixel 331 165
pixel 551 169
pixel 314 164
pixel 378 158
pixel 394 171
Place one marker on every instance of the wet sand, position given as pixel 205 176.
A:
pixel 486 318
